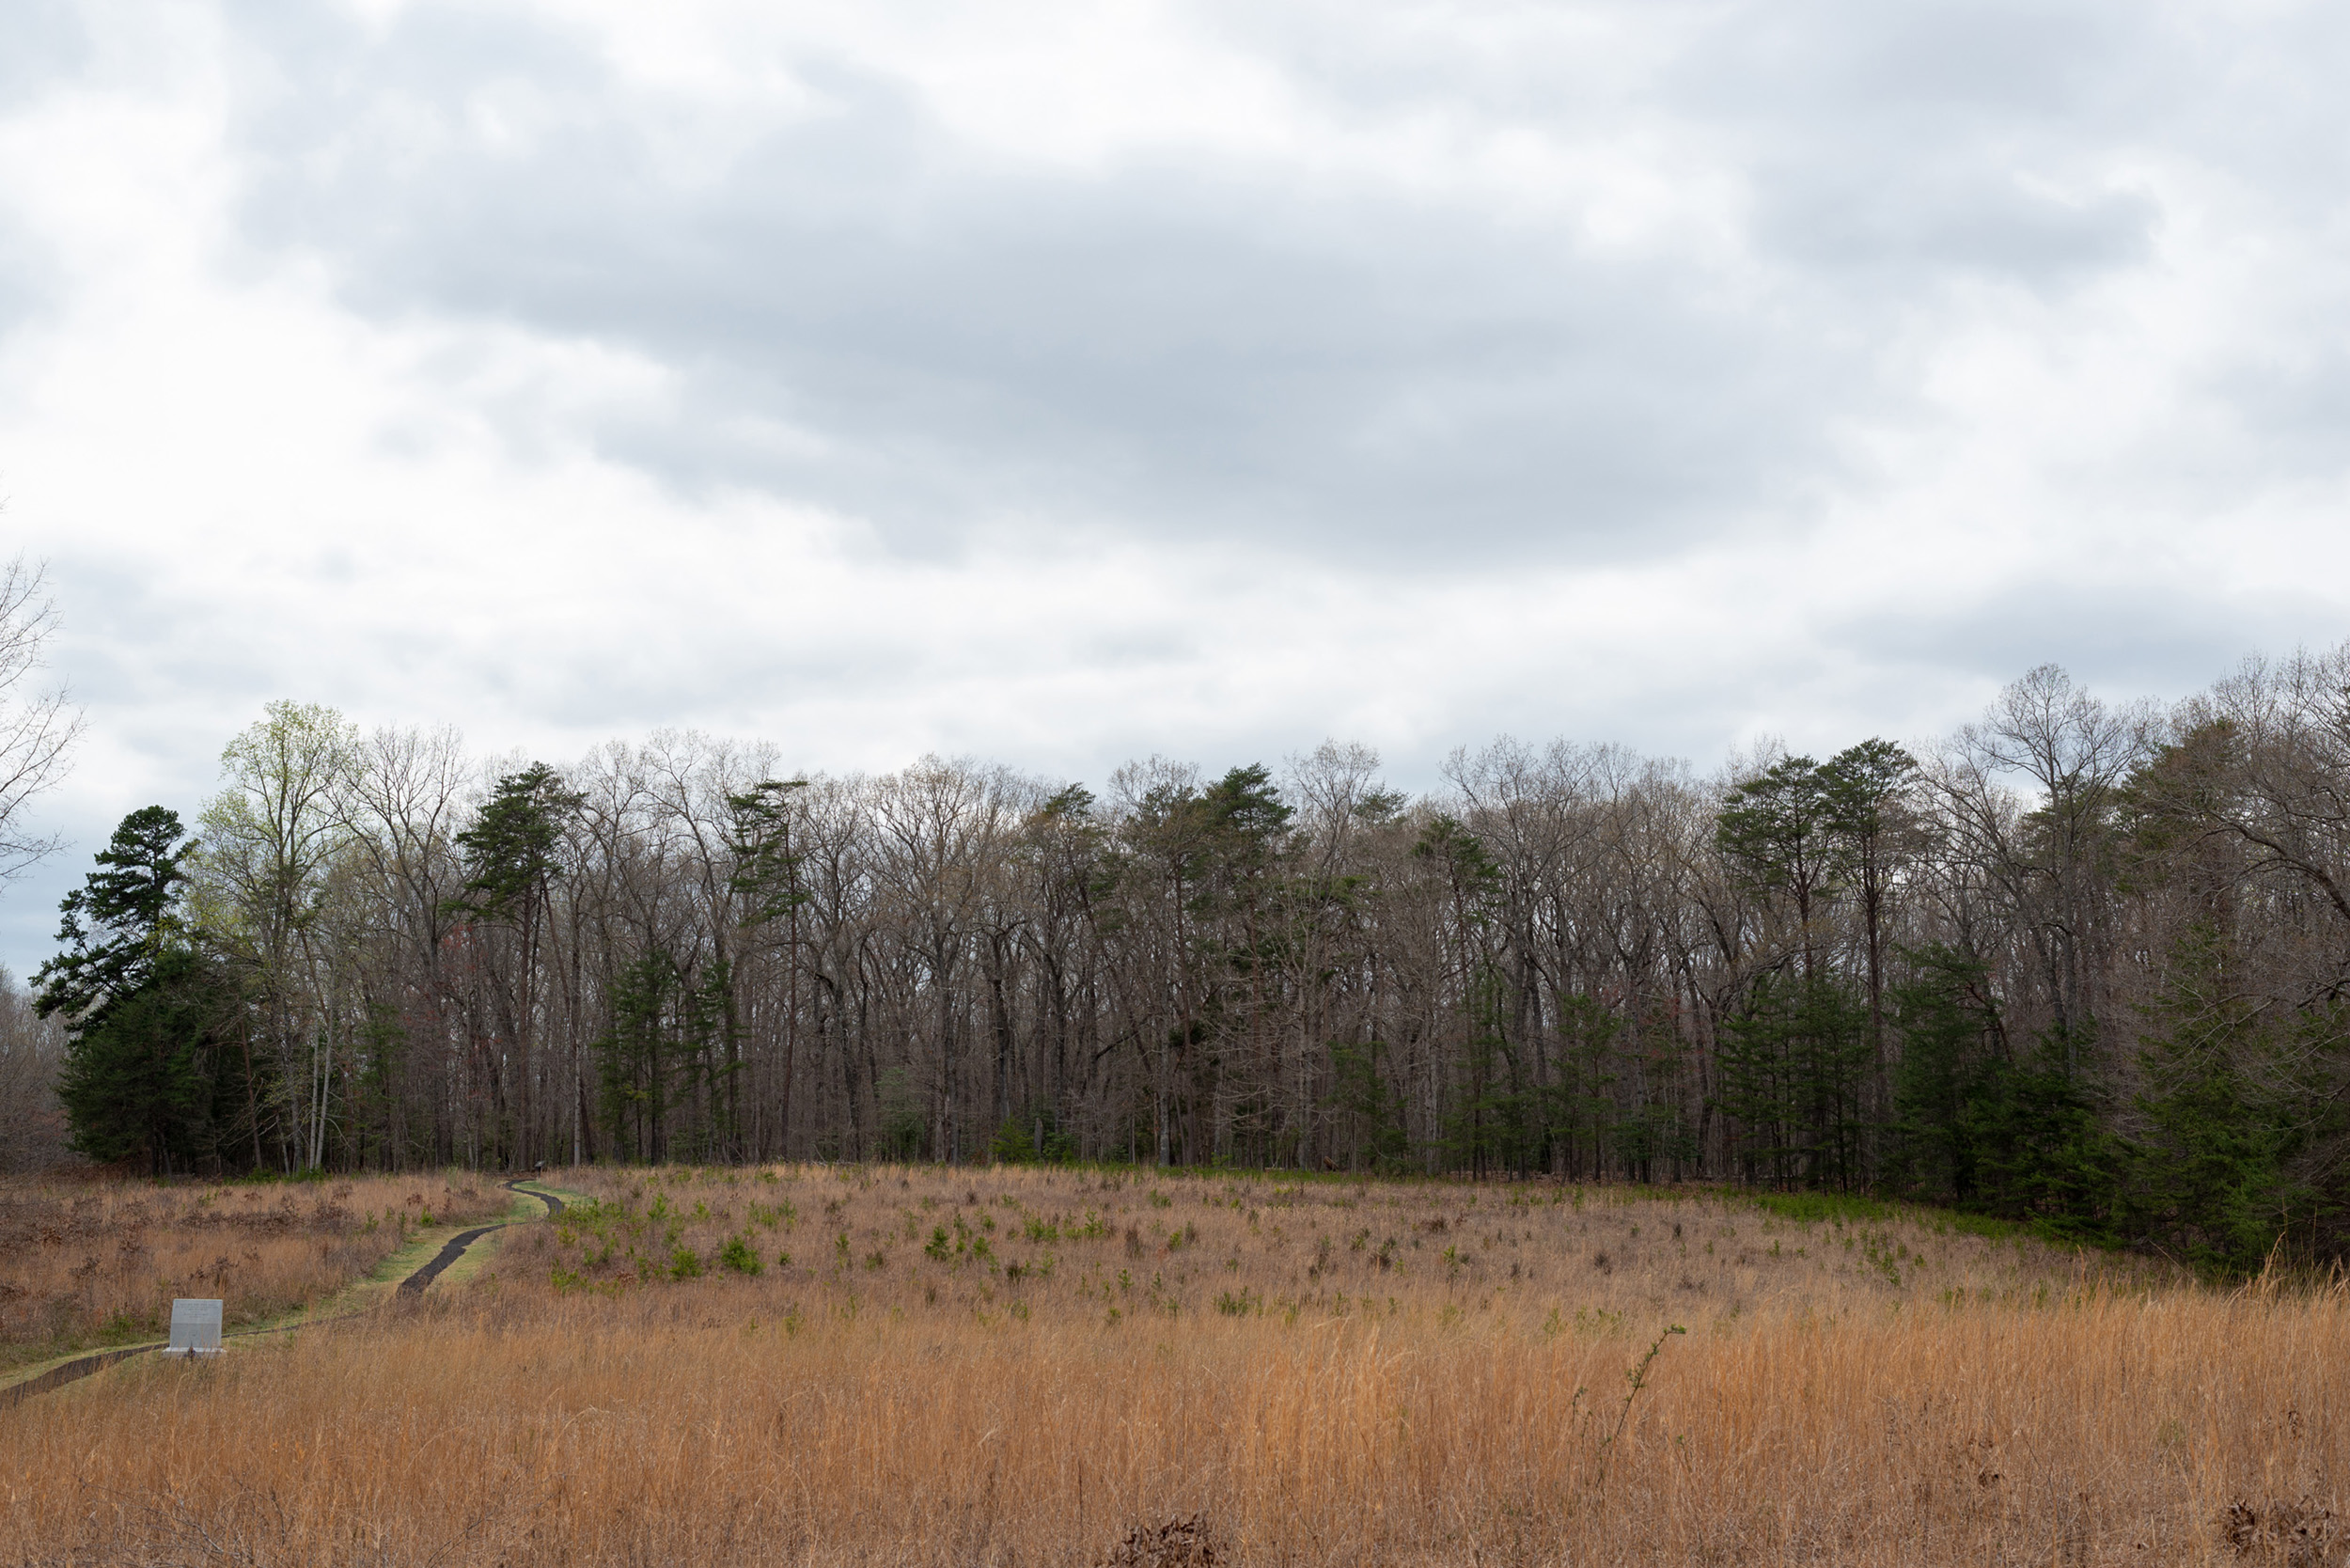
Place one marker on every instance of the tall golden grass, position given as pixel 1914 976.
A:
pixel 84 1260
pixel 1918 1396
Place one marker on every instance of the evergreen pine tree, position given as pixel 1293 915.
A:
pixel 2211 1170
pixel 140 1002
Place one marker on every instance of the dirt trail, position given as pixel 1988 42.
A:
pixel 414 1283
pixel 82 1366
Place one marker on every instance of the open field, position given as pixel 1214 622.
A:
pixel 1020 1366
pixel 86 1262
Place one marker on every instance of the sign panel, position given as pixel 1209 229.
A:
pixel 194 1329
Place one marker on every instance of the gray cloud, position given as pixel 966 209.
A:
pixel 1188 355
pixel 29 281
pixel 863 310
pixel 1217 347
pixel 1900 218
pixel 48 42
pixel 2123 640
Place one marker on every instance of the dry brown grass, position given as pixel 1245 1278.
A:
pixel 1969 1400
pixel 1120 1245
pixel 97 1260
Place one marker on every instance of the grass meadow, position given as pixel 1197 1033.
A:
pixel 93 1261
pixel 875 1365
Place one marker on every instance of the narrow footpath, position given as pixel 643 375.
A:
pixel 414 1283
pixel 82 1366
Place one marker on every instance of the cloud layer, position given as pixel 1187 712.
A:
pixel 1062 383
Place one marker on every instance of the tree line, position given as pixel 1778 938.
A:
pixel 2078 962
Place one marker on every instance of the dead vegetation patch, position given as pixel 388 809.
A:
pixel 1189 1542
pixel 90 1261
pixel 2302 1533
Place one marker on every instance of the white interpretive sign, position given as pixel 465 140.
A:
pixel 194 1329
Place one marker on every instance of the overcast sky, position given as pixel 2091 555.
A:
pixel 1057 385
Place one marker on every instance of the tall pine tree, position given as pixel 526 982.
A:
pixel 142 1004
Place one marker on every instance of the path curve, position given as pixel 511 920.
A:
pixel 82 1366
pixel 455 1246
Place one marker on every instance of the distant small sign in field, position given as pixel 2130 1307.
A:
pixel 194 1329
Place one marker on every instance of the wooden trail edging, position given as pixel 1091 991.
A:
pixel 82 1366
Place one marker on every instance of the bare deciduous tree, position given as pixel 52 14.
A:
pixel 32 1049
pixel 38 726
